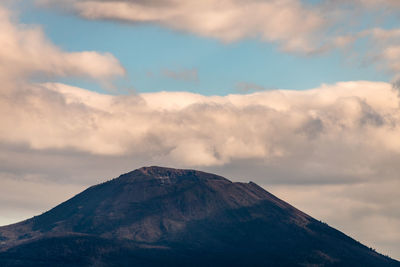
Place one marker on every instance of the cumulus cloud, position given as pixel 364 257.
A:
pixel 25 51
pixel 203 131
pixel 289 23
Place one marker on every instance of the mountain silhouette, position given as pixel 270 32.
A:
pixel 157 216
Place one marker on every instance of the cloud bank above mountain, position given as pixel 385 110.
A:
pixel 196 130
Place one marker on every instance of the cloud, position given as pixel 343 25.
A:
pixel 201 131
pixel 379 3
pixel 383 48
pixel 289 23
pixel 353 27
pixel 25 52
pixel 188 75
pixel 246 87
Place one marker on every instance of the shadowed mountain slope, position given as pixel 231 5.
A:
pixel 160 216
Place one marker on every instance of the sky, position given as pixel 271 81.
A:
pixel 301 97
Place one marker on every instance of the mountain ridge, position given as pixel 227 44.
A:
pixel 191 214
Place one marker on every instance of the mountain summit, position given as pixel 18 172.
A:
pixel 161 216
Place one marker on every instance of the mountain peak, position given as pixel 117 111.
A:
pixel 164 216
pixel 162 173
pixel 165 175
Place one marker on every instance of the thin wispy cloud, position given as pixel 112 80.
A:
pixel 188 75
pixel 248 87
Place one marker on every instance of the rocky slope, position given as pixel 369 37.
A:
pixel 162 216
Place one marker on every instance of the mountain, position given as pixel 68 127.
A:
pixel 157 216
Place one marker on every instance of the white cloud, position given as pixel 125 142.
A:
pixel 200 130
pixel 294 25
pixel 25 51
pixel 289 23
pixel 383 48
